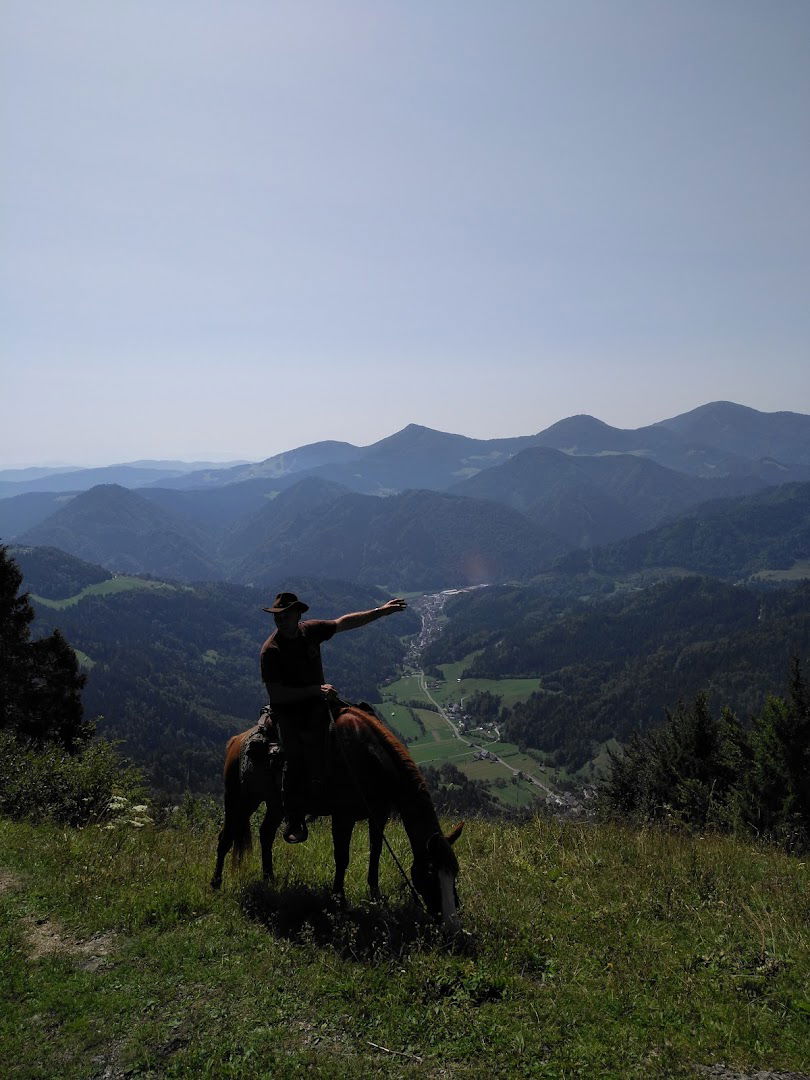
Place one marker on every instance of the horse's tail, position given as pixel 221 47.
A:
pixel 235 808
pixel 242 840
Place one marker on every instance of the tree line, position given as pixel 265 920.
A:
pixel 51 763
pixel 706 769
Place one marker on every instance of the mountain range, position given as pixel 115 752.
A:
pixel 69 478
pixel 717 439
pixel 420 508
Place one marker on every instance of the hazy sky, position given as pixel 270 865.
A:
pixel 233 228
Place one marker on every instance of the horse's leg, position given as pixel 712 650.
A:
pixel 376 828
pixel 227 835
pixel 342 827
pixel 273 817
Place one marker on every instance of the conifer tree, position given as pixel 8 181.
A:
pixel 780 777
pixel 40 682
pixel 16 615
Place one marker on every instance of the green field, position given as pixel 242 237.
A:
pixel 103 588
pixel 455 687
pixel 798 572
pixel 398 717
pixel 585 951
pixel 438 744
pixel 406 689
pixel 434 753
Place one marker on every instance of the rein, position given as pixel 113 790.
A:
pixel 365 802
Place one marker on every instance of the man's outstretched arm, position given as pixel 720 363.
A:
pixel 360 618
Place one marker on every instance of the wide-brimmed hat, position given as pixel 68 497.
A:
pixel 284 602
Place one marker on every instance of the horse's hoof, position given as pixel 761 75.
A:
pixel 216 883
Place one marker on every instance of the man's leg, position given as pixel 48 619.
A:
pixel 294 778
pixel 318 757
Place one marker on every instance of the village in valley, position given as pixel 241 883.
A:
pixel 431 716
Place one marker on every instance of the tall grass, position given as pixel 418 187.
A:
pixel 592 951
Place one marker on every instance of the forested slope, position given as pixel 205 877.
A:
pixel 174 670
pixel 728 538
pixel 613 667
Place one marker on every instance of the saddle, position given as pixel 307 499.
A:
pixel 262 746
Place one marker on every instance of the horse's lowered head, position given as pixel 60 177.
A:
pixel 434 872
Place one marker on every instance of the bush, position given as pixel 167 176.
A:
pixel 46 783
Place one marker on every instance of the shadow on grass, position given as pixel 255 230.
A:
pixel 370 933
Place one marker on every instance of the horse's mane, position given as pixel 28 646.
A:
pixel 407 770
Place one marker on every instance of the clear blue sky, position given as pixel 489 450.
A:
pixel 232 228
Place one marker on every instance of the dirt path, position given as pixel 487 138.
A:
pixel 45 936
pixel 8 881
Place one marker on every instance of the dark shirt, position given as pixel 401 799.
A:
pixel 296 661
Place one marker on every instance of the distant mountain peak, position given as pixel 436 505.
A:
pixel 580 422
pixel 413 432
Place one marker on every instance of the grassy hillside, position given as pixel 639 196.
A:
pixel 585 951
pixel 119 583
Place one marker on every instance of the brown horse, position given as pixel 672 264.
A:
pixel 371 774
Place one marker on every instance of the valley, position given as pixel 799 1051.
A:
pixel 442 732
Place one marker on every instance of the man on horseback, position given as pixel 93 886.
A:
pixel 292 672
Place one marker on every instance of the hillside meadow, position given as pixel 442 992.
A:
pixel 585 951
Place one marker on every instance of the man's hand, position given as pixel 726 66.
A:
pixel 329 692
pixel 391 606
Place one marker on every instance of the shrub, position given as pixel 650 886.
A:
pixel 46 783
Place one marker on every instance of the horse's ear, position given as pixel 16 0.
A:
pixel 455 834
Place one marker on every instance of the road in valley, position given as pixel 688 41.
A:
pixel 430 608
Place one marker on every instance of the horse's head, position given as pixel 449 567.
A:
pixel 434 874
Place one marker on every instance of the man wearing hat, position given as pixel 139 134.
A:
pixel 299 697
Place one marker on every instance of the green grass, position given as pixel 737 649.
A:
pixel 521 794
pixel 508 690
pixel 430 752
pixel 405 689
pixel 399 718
pixel 434 721
pixel 798 572
pixel 102 588
pixel 438 744
pixel 85 661
pixel 586 951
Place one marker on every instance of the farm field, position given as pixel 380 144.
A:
pixel 432 741
pixel 455 687
pixel 400 719
pixel 103 588
pixel 800 571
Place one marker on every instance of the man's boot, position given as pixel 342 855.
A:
pixel 293 795
pixel 296 832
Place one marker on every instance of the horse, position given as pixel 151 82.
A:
pixel 372 774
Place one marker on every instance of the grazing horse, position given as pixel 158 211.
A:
pixel 371 774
